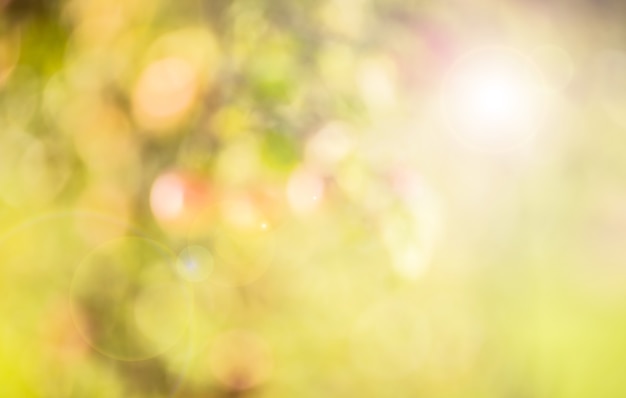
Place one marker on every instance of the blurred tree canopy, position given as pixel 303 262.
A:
pixel 247 198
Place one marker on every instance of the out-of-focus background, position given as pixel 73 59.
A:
pixel 335 198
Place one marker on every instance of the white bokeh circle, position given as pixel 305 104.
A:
pixel 494 99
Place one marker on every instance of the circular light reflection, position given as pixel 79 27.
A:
pixel 182 202
pixel 493 99
pixel 376 82
pixel 242 256
pixel 305 190
pixel 167 197
pixel 38 173
pixel 137 307
pixel 165 92
pixel 195 263
pixel 329 145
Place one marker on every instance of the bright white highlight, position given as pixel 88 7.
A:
pixel 497 99
pixel 493 99
pixel 304 190
pixel 167 197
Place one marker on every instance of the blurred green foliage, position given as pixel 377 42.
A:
pixel 210 198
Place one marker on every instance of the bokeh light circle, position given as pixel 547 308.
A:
pixel 243 255
pixel 165 92
pixel 195 263
pixel 305 190
pixel 493 99
pixel 243 238
pixel 139 306
pixel 182 202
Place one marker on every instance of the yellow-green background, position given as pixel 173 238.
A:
pixel 518 285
